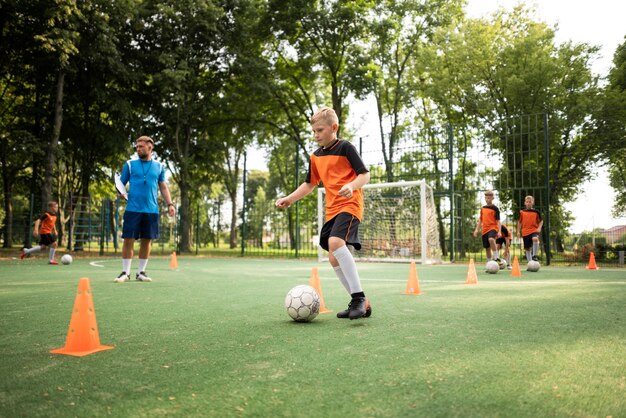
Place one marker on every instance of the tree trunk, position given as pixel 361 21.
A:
pixel 8 216
pixel 233 220
pixel 46 189
pixel 184 234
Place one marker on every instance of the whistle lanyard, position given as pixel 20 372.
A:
pixel 145 172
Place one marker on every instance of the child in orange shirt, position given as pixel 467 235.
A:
pixel 530 224
pixel 339 167
pixel 490 226
pixel 45 229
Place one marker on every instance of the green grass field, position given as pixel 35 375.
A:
pixel 211 338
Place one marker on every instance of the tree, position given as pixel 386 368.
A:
pixel 399 30
pixel 58 39
pixel 502 83
pixel 611 128
pixel 179 49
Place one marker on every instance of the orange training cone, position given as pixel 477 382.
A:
pixel 516 272
pixel 592 262
pixel 315 284
pixel 174 261
pixel 471 273
pixel 413 284
pixel 82 336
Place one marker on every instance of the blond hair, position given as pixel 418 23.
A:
pixel 145 138
pixel 489 193
pixel 325 114
pixel 530 197
pixel 52 203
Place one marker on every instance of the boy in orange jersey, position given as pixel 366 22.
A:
pixel 505 242
pixel 530 224
pixel 45 229
pixel 339 167
pixel 490 226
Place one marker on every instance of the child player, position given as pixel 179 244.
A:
pixel 505 242
pixel 45 229
pixel 489 220
pixel 530 224
pixel 337 164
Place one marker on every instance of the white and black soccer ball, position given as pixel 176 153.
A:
pixel 302 303
pixel 502 264
pixel 66 259
pixel 492 267
pixel 533 266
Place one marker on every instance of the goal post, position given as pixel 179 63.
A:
pixel 399 223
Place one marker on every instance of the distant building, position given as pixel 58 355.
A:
pixel 615 235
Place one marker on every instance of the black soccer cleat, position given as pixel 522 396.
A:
pixel 357 308
pixel 346 313
pixel 535 258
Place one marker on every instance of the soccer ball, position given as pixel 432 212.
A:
pixel 302 303
pixel 502 264
pixel 66 259
pixel 492 267
pixel 533 266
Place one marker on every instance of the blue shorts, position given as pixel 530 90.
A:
pixel 344 226
pixel 140 225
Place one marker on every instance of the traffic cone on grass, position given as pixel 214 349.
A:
pixel 315 284
pixel 516 271
pixel 413 284
pixel 174 261
pixel 471 273
pixel 592 262
pixel 82 337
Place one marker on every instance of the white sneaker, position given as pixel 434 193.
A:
pixel 142 277
pixel 123 277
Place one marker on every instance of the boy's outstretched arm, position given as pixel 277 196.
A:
pixel 360 181
pixel 299 193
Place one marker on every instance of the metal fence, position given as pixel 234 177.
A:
pixel 511 161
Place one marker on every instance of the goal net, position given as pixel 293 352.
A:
pixel 400 223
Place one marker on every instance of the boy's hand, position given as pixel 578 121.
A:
pixel 346 191
pixel 283 203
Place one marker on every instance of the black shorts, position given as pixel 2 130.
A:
pixel 140 225
pixel 501 241
pixel 489 234
pixel 46 239
pixel 344 226
pixel 528 240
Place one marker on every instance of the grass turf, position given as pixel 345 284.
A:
pixel 211 338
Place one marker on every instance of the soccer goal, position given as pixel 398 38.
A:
pixel 399 225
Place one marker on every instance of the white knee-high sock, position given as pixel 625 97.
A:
pixel 126 265
pixel 342 278
pixel 51 254
pixel 535 247
pixel 143 262
pixel 348 267
pixel 529 255
pixel 33 250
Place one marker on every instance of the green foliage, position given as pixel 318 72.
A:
pixel 208 79
pixel 611 128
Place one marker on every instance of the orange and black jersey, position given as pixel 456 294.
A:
pixel 489 217
pixel 46 224
pixel 530 220
pixel 336 166
pixel 506 232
